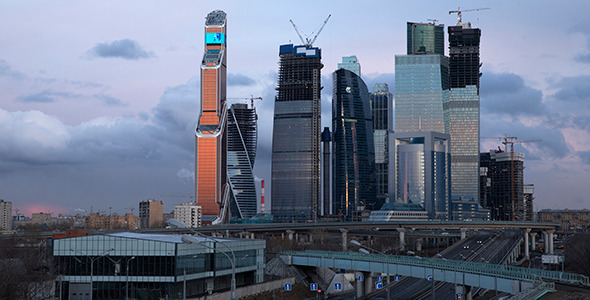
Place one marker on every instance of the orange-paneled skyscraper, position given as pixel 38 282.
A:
pixel 210 145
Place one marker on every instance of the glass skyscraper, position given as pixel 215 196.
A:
pixel 382 112
pixel 462 109
pixel 242 136
pixel 426 38
pixel 421 87
pixel 350 63
pixel 353 157
pixel 296 188
pixel 210 148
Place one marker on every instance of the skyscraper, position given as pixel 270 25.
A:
pixel 506 191
pixel 210 145
pixel 421 87
pixel 5 215
pixel 425 38
pixel 462 109
pixel 382 112
pixel 350 63
pixel 296 174
pixel 242 136
pixel 353 181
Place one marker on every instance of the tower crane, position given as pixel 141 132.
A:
pixel 251 98
pixel 309 41
pixel 459 11
pixel 511 140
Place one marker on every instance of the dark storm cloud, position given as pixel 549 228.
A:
pixel 506 93
pixel 574 90
pixel 239 80
pixel 126 49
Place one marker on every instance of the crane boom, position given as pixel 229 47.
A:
pixel 459 11
pixel 307 41
pixel 320 30
pixel 297 30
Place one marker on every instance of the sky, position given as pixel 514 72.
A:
pixel 99 99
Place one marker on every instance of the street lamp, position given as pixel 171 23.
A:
pixel 127 277
pixel 189 239
pixel 92 264
pixel 363 250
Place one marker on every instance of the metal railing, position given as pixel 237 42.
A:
pixel 500 271
pixel 536 292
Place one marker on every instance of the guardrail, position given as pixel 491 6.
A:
pixel 500 271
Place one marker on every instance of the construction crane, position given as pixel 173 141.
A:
pixel 307 41
pixel 433 21
pixel 130 208
pixel 459 11
pixel 251 98
pixel 511 140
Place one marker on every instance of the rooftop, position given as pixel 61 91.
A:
pixel 216 17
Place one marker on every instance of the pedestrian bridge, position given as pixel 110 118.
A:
pixel 503 278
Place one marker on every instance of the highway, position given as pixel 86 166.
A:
pixel 484 246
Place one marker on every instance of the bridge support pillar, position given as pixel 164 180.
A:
pixel 311 238
pixel 419 245
pixel 463 233
pixel 402 238
pixel 344 239
pixel 549 241
pixel 465 291
pixel 359 285
pixel 526 242
pixel 290 233
pixel 368 282
pixel 533 241
pixel 252 236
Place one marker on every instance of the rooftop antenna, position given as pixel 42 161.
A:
pixel 309 41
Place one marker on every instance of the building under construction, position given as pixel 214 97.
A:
pixel 296 135
pixel 504 190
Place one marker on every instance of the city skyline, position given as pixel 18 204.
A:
pixel 102 113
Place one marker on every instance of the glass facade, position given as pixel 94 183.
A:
pixel 210 146
pixel 422 169
pixel 425 38
pixel 242 135
pixel 350 63
pixel 382 112
pixel 152 266
pixel 421 87
pixel 296 173
pixel 353 150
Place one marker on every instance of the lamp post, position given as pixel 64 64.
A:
pixel 127 277
pixel 92 264
pixel 361 248
pixel 190 239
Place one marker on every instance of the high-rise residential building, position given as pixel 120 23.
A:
pixel 353 150
pixel 421 171
pixel 350 63
pixel 528 192
pixel 382 112
pixel 421 88
pixel 505 195
pixel 5 215
pixel 96 221
pixel 426 38
pixel 462 109
pixel 189 214
pixel 296 173
pixel 151 214
pixel 326 140
pixel 210 145
pixel 242 136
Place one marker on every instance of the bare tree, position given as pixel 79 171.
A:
pixel 577 254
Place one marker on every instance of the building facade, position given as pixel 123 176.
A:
pixel 462 109
pixel 425 38
pixel 96 221
pixel 505 194
pixel 210 143
pixel 189 214
pixel 353 150
pixel 350 63
pixel 529 191
pixel 153 266
pixel 151 214
pixel 382 112
pixel 420 169
pixel 242 137
pixel 568 219
pixel 5 215
pixel 296 166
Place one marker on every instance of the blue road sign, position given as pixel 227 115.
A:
pixel 378 285
pixel 313 286
pixel 396 277
pixel 287 286
pixel 361 278
pixel 337 286
pixel 379 278
pixel 429 277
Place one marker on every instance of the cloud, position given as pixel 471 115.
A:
pixel 574 90
pixel 6 70
pixel 506 93
pixel 585 157
pixel 583 58
pixel 239 80
pixel 42 97
pixel 108 100
pixel 126 49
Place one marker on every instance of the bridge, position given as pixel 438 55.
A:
pixel 464 274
